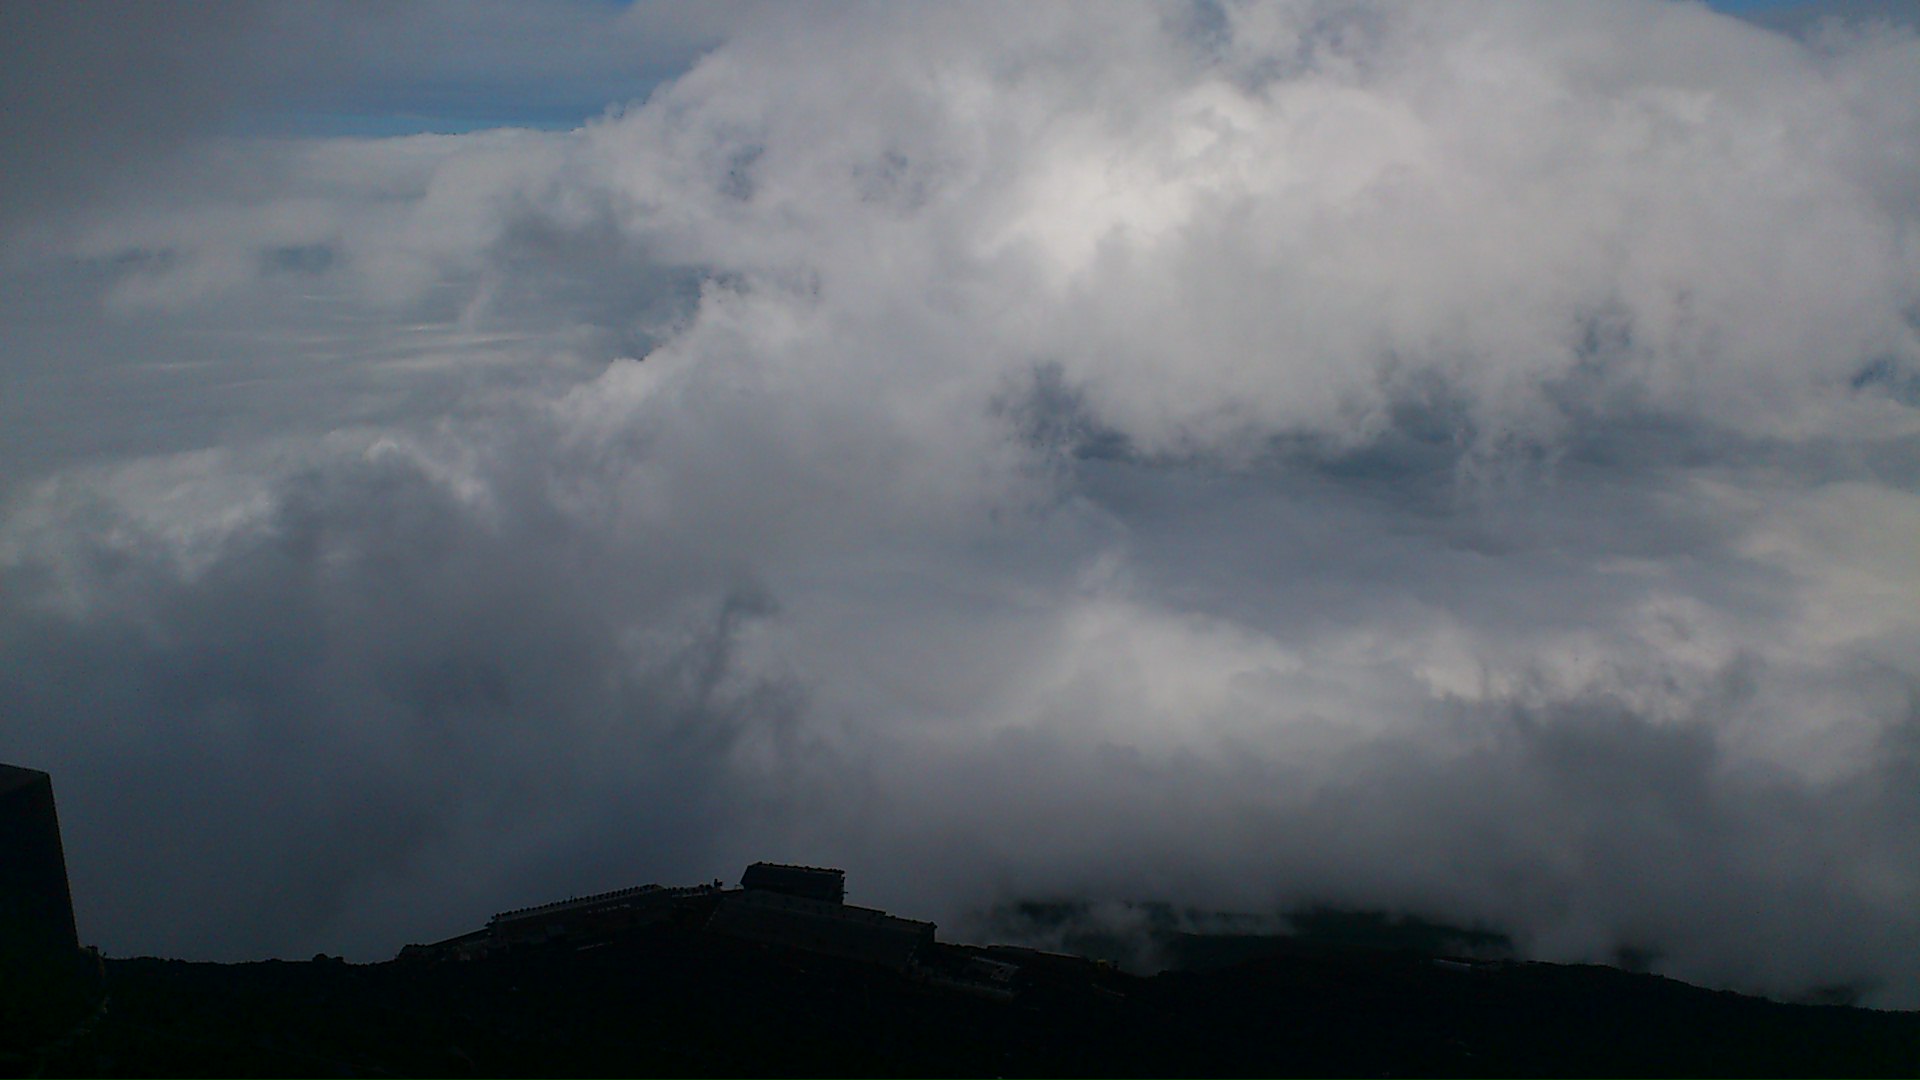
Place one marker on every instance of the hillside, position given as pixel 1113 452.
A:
pixel 671 997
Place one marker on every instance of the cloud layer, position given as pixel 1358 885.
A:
pixel 1464 461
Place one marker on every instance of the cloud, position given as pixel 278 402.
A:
pixel 92 91
pixel 1246 456
pixel 106 102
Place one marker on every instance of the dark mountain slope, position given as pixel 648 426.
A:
pixel 671 998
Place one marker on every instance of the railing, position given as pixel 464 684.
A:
pixel 575 901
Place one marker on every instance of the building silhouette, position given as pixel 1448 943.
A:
pixel 808 882
pixel 36 908
pixel 796 907
pixel 802 907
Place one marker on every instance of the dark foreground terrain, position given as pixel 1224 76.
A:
pixel 672 999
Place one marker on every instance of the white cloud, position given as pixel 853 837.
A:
pixel 1446 458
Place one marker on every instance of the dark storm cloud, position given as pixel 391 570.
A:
pixel 96 91
pixel 1451 460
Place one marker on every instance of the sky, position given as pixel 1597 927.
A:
pixel 1453 459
